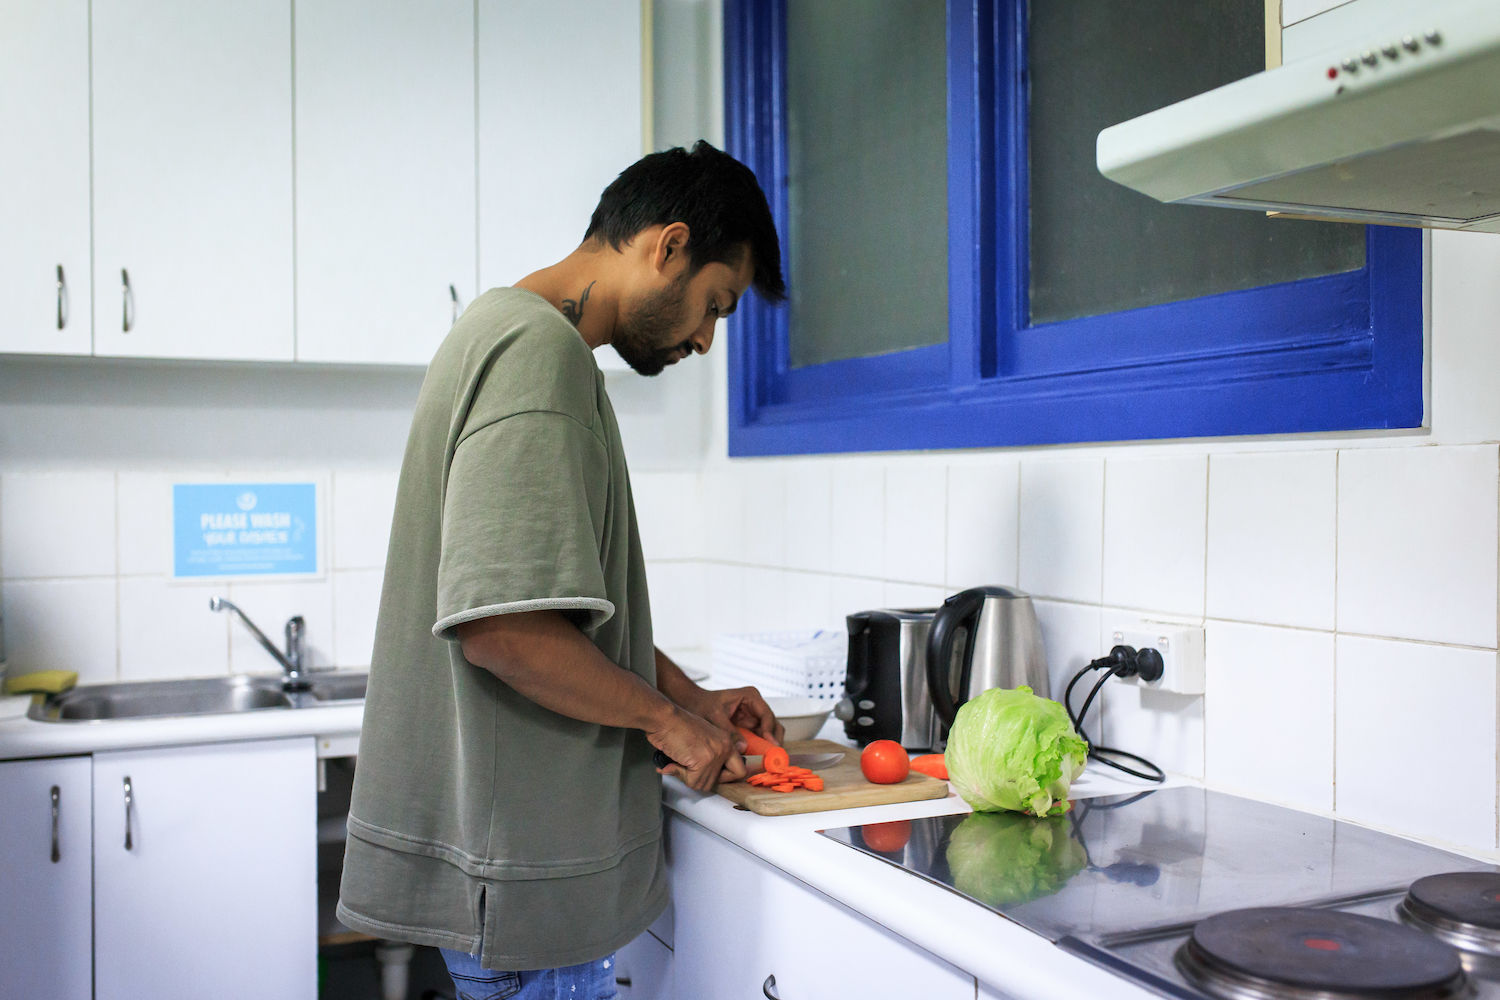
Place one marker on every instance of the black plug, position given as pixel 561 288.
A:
pixel 1127 661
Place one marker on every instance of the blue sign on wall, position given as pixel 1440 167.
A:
pixel 244 529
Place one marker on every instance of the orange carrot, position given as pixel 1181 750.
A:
pixel 755 744
pixel 931 764
pixel 776 760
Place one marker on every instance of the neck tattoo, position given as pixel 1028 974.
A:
pixel 573 308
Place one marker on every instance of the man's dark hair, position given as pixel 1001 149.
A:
pixel 717 197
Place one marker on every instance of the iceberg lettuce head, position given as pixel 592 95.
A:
pixel 1011 750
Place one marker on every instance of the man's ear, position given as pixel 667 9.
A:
pixel 669 250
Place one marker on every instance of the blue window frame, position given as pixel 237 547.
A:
pixel 1338 352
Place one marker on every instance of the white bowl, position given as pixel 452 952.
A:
pixel 802 717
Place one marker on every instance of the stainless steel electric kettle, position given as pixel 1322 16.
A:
pixel 982 638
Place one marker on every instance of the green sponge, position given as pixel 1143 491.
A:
pixel 42 682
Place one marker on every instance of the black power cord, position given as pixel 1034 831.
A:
pixel 1122 661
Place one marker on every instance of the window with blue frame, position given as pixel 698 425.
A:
pixel 961 276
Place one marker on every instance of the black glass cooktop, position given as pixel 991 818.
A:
pixel 1128 863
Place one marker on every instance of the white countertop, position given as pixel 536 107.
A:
pixel 21 737
pixel 1004 955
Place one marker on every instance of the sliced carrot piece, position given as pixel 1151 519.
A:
pixel 784 787
pixel 776 760
pixel 813 784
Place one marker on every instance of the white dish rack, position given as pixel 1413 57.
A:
pixel 806 663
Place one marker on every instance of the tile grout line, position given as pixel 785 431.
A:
pixel 1334 761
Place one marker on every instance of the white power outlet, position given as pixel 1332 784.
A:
pixel 1181 649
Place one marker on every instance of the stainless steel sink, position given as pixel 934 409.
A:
pixel 199 696
pixel 338 685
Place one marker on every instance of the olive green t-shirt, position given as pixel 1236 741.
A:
pixel 480 820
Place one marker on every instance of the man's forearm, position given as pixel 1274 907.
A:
pixel 546 659
pixel 672 682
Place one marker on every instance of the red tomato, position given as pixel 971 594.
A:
pixel 885 762
pixel 887 838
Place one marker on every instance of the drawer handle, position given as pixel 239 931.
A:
pixel 768 988
pixel 56 802
pixel 62 298
pixel 127 300
pixel 129 803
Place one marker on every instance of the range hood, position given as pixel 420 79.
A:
pixel 1399 129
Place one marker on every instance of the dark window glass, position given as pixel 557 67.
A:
pixel 866 188
pixel 1098 247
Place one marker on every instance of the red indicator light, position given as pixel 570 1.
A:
pixel 1322 944
pixel 1333 72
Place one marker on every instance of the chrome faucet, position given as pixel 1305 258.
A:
pixel 296 644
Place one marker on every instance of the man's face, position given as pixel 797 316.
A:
pixel 668 323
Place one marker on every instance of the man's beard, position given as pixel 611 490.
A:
pixel 641 332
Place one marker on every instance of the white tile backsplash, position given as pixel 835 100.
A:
pixel 677 602
pixel 1062 528
pixel 857 528
pixel 57 524
pixel 362 506
pixel 912 595
pixel 61 625
pixel 356 605
pixel 765 515
pixel 1269 713
pixel 167 630
pixel 1155 511
pixel 809 601
pixel 1070 636
pixel 669 513
pixel 1416 739
pixel 1417 530
pixel 983 524
pixel 916 524
pixel 808 513
pixel 1271 537
pixel 145 522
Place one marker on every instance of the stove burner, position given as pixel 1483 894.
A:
pixel 1287 952
pixel 1462 908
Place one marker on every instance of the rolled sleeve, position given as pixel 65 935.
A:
pixel 522 527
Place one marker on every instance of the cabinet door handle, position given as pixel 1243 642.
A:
pixel 62 297
pixel 768 988
pixel 127 300
pixel 453 294
pixel 56 801
pixel 129 803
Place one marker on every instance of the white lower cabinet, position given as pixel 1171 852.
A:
pixel 45 907
pixel 205 871
pixel 643 970
pixel 746 929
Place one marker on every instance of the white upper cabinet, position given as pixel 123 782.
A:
pixel 44 174
pixel 193 179
pixel 385 176
pixel 559 117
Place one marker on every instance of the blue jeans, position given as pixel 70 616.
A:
pixel 589 981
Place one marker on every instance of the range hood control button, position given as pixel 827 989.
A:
pixel 1369 58
pixel 1434 37
pixel 1409 44
pixel 1390 51
pixel 1351 65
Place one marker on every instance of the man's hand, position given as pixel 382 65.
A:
pixel 705 753
pixel 736 707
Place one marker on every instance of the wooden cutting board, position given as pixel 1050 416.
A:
pixel 844 787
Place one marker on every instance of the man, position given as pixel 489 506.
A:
pixel 506 808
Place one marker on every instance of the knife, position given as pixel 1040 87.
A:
pixel 811 761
